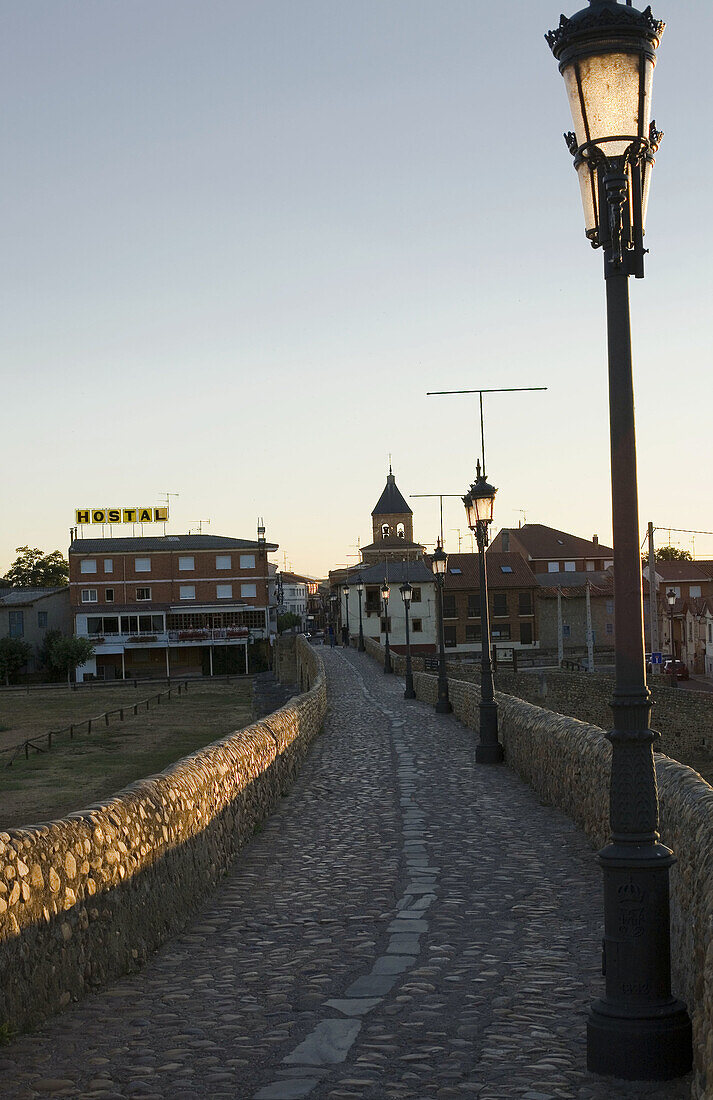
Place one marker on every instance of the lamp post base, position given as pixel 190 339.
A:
pixel 409 693
pixel 489 750
pixel 443 706
pixel 655 1048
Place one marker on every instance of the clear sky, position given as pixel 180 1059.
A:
pixel 241 239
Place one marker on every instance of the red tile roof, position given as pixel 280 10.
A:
pixel 517 572
pixel 542 542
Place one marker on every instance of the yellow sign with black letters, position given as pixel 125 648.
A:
pixel 121 515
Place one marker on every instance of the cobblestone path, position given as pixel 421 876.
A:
pixel 406 925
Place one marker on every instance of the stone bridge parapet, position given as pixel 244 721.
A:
pixel 89 897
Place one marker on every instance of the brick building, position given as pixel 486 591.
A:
pixel 29 613
pixel 548 550
pixel 162 605
pixel 512 603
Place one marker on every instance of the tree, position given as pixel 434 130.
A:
pixel 67 653
pixel 287 621
pixel 14 655
pixel 32 568
pixel 668 553
pixel 44 655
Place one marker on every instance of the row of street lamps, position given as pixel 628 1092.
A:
pixel 638 1030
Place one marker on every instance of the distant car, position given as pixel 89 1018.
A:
pixel 677 667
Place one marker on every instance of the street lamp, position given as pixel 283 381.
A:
pixel 387 652
pixel 360 592
pixel 345 629
pixel 479 502
pixel 406 592
pixel 671 597
pixel 439 561
pixel 606 54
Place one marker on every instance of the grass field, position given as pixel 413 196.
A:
pixel 91 767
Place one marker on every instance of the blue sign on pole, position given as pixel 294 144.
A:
pixel 656 659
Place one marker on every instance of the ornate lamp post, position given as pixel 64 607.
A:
pixel 606 54
pixel 479 501
pixel 671 598
pixel 345 629
pixel 360 592
pixel 406 592
pixel 387 652
pixel 439 562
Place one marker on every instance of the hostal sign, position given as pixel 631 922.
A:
pixel 121 515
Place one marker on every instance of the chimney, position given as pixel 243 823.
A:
pixel 595 540
pixel 505 541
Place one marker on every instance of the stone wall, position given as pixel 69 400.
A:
pixel 89 897
pixel 685 719
pixel 568 763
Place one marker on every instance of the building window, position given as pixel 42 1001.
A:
pixel 610 607
pixel 694 590
pixel 690 632
pixel 416 624
pixel 553 567
pixel 248 590
pixel 610 628
pixel 710 632
pixel 108 595
pixel 526 633
pixel 186 564
pixel 89 595
pixel 87 565
pixel 449 636
pixel 42 620
pixel 449 606
pixel 385 530
pixel 224 591
pixel 524 603
pixel 143 594
pixel 416 594
pixel 473 633
pixel 570 567
pixel 108 565
pixel 590 566
pixel 223 561
pixel 608 564
pixel 247 561
pixel 565 630
pixel 142 565
pixel 501 633
pixel 500 604
pixel 474 606
pixel 16 624
pixel 384 624
pixel 506 569
pixel 187 591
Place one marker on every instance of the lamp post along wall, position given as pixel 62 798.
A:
pixel 406 592
pixel 606 54
pixel 671 599
pixel 345 632
pixel 479 502
pixel 439 563
pixel 360 592
pixel 387 652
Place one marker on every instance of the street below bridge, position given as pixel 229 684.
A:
pixel 407 924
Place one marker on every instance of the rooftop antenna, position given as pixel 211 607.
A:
pixel 511 389
pixel 167 498
pixel 200 523
pixel 440 498
pixel 521 511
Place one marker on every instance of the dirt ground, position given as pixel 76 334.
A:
pixel 91 767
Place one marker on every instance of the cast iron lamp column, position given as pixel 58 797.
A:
pixel 479 501
pixel 387 652
pixel 406 592
pixel 671 597
pixel 360 592
pixel 439 561
pixel 345 633
pixel 606 55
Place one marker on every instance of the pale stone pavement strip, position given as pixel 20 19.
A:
pixel 408 924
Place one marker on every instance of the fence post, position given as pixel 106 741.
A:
pixel 89 725
pixel 158 699
pixel 136 708
pixel 514 660
pixel 121 714
pixel 106 717
pixel 49 739
pixel 71 731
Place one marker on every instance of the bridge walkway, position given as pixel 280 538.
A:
pixel 406 925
